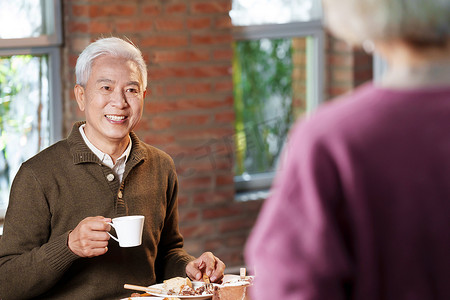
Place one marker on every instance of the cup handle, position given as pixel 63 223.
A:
pixel 113 237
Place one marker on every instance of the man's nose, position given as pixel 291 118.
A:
pixel 118 99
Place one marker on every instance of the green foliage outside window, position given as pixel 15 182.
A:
pixel 262 77
pixel 24 106
pixel 10 85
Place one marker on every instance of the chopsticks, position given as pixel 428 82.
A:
pixel 142 288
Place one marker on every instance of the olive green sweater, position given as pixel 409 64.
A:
pixel 62 185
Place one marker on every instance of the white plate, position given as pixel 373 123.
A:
pixel 195 284
pixel 145 297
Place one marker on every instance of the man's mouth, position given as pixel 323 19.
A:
pixel 115 118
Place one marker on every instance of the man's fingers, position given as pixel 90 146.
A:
pixel 192 271
pixel 90 237
pixel 207 263
pixel 218 272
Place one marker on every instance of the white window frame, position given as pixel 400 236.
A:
pixel 256 186
pixel 47 44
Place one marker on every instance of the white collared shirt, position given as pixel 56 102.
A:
pixel 119 167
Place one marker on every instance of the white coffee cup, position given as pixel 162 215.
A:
pixel 129 230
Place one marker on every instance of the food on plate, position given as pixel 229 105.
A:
pixel 237 281
pixel 180 286
pixel 174 286
pixel 134 295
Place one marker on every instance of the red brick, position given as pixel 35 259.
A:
pixel 214 244
pixel 125 26
pixel 175 88
pixel 186 170
pixel 236 242
pixel 223 54
pixel 225 117
pixel 213 198
pixel 143 125
pixel 198 22
pixel 236 225
pixel 80 10
pixel 78 27
pixel 144 25
pixel 223 22
pixel 100 27
pixel 188 216
pixel 337 60
pixel 158 139
pixel 192 120
pixel 73 60
pixel 185 105
pixel 225 180
pixel 111 10
pixel 183 200
pixel 220 212
pixel 180 72
pixel 224 86
pixel 176 8
pixel 205 134
pixel 198 88
pixel 200 165
pixel 193 246
pixel 207 7
pixel 133 26
pixel 151 10
pixel 180 55
pixel 169 24
pixel 190 183
pixel 198 230
pixel 164 41
pixel 159 123
pixel 211 71
pixel 211 39
pixel 153 90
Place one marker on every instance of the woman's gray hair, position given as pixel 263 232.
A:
pixel 421 22
pixel 108 46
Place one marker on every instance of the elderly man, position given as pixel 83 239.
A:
pixel 55 243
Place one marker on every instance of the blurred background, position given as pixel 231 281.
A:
pixel 227 79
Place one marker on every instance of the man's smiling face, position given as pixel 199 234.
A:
pixel 112 100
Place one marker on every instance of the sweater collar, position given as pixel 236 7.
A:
pixel 82 154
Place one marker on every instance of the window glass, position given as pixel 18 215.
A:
pixel 21 19
pixel 256 12
pixel 30 87
pixel 262 81
pixel 277 76
pixel 24 113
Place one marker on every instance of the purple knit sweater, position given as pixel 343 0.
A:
pixel 360 208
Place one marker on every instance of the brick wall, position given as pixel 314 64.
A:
pixel 189 106
pixel 346 67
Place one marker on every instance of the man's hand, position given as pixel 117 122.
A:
pixel 206 263
pixel 90 237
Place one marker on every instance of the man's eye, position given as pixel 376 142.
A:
pixel 132 90
pixel 106 88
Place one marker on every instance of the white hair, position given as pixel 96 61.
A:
pixel 109 46
pixel 424 22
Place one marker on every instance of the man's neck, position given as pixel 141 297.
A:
pixel 114 149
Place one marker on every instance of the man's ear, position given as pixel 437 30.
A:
pixel 80 96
